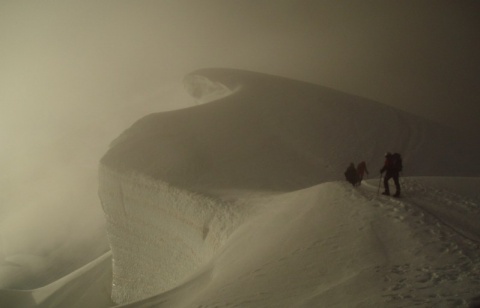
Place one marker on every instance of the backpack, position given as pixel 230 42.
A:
pixel 397 162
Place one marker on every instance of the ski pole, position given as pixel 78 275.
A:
pixel 379 183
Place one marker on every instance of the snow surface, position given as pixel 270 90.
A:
pixel 240 202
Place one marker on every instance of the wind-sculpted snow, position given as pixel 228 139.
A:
pixel 313 131
pixel 205 90
pixel 158 233
pixel 165 181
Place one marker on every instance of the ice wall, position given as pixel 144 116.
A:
pixel 159 234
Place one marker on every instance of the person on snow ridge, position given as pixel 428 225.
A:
pixel 351 174
pixel 361 170
pixel 392 168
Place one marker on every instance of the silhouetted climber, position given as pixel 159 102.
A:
pixel 361 170
pixel 351 174
pixel 392 166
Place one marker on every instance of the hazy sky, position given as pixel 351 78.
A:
pixel 73 75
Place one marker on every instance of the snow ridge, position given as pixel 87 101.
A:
pixel 165 181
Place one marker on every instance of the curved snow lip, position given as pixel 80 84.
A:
pixel 263 132
pixel 206 90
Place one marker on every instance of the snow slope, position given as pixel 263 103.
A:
pixel 329 245
pixel 334 246
pixel 271 134
pixel 240 202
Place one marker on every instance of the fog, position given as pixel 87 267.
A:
pixel 75 75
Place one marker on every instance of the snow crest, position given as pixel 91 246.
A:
pixel 158 234
pixel 205 90
pixel 165 182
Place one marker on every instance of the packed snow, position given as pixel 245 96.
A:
pixel 240 201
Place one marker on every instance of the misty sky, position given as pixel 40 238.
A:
pixel 73 75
